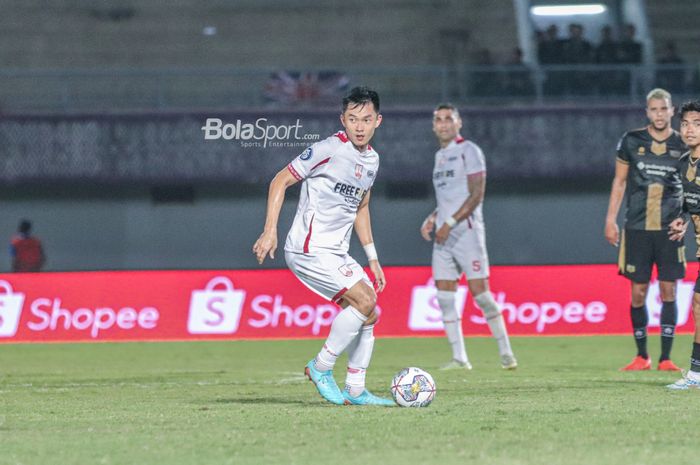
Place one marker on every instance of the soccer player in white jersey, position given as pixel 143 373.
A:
pixel 459 178
pixel 337 175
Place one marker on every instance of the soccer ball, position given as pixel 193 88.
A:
pixel 413 387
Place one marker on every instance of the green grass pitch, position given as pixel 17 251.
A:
pixel 246 402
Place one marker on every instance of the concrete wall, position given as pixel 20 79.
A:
pixel 287 34
pixel 129 231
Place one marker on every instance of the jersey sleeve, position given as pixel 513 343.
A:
pixel 474 160
pixel 309 160
pixel 622 152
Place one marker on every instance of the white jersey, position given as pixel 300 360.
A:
pixel 453 164
pixel 336 178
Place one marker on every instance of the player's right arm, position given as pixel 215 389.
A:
pixel 617 193
pixel 428 226
pixel 267 242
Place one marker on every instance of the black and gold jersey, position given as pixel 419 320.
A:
pixel 690 177
pixel 654 189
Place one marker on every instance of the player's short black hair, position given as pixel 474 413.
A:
pixel 360 96
pixel 447 106
pixel 25 226
pixel 692 105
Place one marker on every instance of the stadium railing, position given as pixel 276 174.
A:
pixel 79 90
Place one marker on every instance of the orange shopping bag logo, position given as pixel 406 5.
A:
pixel 215 311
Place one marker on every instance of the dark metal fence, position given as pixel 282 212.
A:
pixel 185 88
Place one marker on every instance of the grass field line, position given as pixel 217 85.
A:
pixel 287 377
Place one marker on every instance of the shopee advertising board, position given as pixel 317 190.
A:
pixel 251 304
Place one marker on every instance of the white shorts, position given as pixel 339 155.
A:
pixel 463 252
pixel 328 275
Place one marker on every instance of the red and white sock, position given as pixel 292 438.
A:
pixel 453 325
pixel 359 356
pixel 344 329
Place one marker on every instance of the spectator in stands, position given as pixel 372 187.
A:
pixel 26 250
pixel 670 76
pixel 549 47
pixel 606 55
pixel 629 53
pixel 485 81
pixel 576 50
pixel 518 78
pixel 606 51
pixel 550 52
pixel 629 50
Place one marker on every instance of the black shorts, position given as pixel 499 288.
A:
pixel 639 250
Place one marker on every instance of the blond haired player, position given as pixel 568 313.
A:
pixel 647 175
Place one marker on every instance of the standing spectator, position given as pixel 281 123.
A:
pixel 549 52
pixel 577 51
pixel 485 80
pixel 606 55
pixel 518 80
pixel 26 250
pixel 629 50
pixel 549 47
pixel 629 53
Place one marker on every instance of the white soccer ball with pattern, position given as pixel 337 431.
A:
pixel 413 387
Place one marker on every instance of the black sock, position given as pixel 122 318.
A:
pixel 695 358
pixel 669 316
pixel 640 319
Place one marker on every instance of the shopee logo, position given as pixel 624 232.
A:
pixel 271 311
pixel 547 313
pixel 216 309
pixel 51 314
pixel 10 310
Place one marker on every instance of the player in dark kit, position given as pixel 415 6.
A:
pixel 690 131
pixel 647 172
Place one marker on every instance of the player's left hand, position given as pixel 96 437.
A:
pixel 677 229
pixel 443 233
pixel 379 279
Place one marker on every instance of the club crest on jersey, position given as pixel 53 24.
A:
pixel 358 171
pixel 345 270
pixel 306 154
pixel 641 151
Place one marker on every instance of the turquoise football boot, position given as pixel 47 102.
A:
pixel 367 398
pixel 324 382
